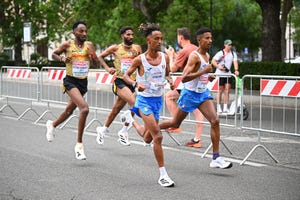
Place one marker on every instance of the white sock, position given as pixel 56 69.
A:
pixel 124 129
pixel 162 171
pixel 219 107
pixel 225 106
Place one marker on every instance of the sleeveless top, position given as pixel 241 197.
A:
pixel 153 77
pixel 123 59
pixel 198 84
pixel 80 64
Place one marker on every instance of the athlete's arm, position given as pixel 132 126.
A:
pixel 168 77
pixel 110 50
pixel 61 49
pixel 135 65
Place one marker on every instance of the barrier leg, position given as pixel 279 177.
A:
pixel 27 110
pixel 210 146
pixel 67 121
pixel 173 138
pixel 9 106
pixel 255 147
pixel 42 115
pixel 91 122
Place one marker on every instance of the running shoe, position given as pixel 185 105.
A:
pixel 225 110
pixel 220 163
pixel 101 131
pixel 192 143
pixel 50 131
pixel 79 153
pixel 123 138
pixel 166 181
pixel 219 110
pixel 173 130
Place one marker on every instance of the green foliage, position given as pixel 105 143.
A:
pixel 268 68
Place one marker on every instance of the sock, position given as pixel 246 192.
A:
pixel 79 144
pixel 162 171
pixel 216 155
pixel 195 139
pixel 124 129
pixel 219 106
pixel 225 107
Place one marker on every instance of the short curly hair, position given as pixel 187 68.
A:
pixel 148 28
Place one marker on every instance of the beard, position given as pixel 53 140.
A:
pixel 128 42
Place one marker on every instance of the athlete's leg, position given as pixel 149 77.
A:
pixel 83 107
pixel 171 97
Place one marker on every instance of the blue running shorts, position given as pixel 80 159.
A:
pixel 189 100
pixel 148 105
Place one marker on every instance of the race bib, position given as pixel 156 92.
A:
pixel 80 68
pixel 201 86
pixel 125 64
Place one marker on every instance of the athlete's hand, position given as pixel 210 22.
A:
pixel 211 78
pixel 140 87
pixel 111 70
pixel 208 68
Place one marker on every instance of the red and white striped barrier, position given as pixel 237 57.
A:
pixel 283 88
pixel 18 73
pixel 56 74
pixel 212 86
pixel 104 78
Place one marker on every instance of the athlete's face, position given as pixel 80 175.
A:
pixel 80 33
pixel 128 37
pixel 205 40
pixel 155 40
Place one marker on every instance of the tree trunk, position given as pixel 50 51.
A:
pixel 271 31
pixel 285 10
pixel 18 50
pixel 150 9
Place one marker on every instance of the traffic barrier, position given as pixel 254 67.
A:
pixel 50 89
pixel 99 95
pixel 274 110
pixel 283 88
pixel 20 83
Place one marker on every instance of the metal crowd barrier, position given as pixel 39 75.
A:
pixel 100 91
pixel 20 83
pixel 272 109
pixel 51 82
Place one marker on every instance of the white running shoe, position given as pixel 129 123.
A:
pixel 123 138
pixel 101 131
pixel 166 181
pixel 79 152
pixel 219 110
pixel 50 131
pixel 225 110
pixel 220 163
pixel 126 117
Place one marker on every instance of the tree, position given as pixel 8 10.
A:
pixel 285 10
pixel 274 27
pixel 45 21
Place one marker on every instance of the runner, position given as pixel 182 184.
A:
pixel 77 55
pixel 195 94
pixel 123 53
pixel 152 71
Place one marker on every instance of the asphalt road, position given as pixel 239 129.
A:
pixel 32 168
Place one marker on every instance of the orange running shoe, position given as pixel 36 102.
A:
pixel 173 130
pixel 192 143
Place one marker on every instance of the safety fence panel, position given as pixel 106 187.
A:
pixel 20 83
pixel 100 96
pixel 51 85
pixel 274 107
